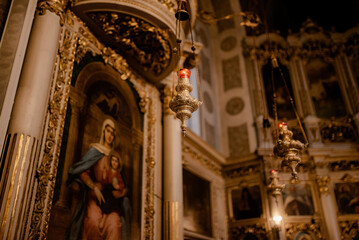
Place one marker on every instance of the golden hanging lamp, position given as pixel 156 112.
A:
pixel 182 103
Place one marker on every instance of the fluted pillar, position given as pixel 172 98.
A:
pixel 21 148
pixel 328 205
pixel 172 174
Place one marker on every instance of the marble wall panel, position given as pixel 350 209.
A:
pixel 238 140
pixel 231 73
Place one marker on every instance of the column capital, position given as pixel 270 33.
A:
pixel 166 96
pixel 55 6
pixel 323 184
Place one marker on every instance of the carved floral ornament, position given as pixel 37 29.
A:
pixel 349 229
pixel 311 230
pixel 147 44
pixel 55 6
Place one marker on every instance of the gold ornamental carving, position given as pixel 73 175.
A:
pixel 52 141
pixel 243 171
pixel 340 130
pixel 166 95
pixel 349 229
pixel 150 172
pixel 312 229
pixel 323 184
pixel 147 44
pixel 240 232
pixel 55 6
pixel 344 165
pixel 170 4
pixel 88 43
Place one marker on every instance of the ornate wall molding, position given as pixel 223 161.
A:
pixel 89 43
pixel 149 170
pixel 243 171
pixel 76 39
pixel 349 229
pixel 53 133
pixel 240 232
pixel 340 130
pixel 312 229
pixel 343 165
pixel 205 161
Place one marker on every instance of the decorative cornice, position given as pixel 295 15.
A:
pixel 243 171
pixel 207 162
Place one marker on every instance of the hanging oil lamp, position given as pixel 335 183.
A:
pixel 182 103
pixel 288 149
pixel 274 187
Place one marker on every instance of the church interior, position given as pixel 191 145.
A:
pixel 179 119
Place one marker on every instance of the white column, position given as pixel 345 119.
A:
pixel 277 225
pixel 328 207
pixel 172 173
pixel 26 123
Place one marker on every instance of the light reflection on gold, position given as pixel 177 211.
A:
pixel 14 209
pixel 8 201
pixel 172 220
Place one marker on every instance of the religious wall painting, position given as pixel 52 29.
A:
pixel 324 89
pixel 197 215
pixel 298 200
pixel 277 80
pixel 246 202
pixel 347 197
pixel 99 193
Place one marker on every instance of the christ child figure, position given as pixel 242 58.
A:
pixel 115 189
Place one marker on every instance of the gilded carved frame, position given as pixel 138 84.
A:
pixel 75 40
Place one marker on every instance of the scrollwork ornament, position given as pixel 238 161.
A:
pixel 210 164
pixel 55 6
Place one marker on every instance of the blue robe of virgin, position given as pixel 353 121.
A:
pixel 88 160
